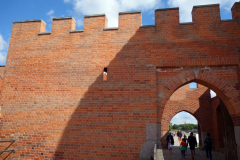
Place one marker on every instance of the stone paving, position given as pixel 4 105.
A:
pixel 176 154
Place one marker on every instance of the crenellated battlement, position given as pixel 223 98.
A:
pixel 236 10
pixel 206 14
pixel 37 26
pixel 164 18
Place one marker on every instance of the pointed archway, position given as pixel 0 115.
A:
pixel 171 79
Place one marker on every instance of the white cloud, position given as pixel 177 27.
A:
pixel 183 117
pixel 3 44
pixel 3 56
pixel 213 94
pixel 185 6
pixel 79 21
pixel 138 4
pixel 110 7
pixel 50 13
pixel 3 47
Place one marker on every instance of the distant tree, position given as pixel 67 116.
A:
pixel 170 126
pixel 175 126
pixel 183 126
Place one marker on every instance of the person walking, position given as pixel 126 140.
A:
pixel 208 146
pixel 185 140
pixel 183 148
pixel 192 143
pixel 170 142
pixel 179 135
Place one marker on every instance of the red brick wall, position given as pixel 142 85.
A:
pixel 1 81
pixel 194 101
pixel 2 68
pixel 217 134
pixel 56 104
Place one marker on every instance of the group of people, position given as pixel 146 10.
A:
pixel 192 142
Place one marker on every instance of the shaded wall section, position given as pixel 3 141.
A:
pixel 217 135
pixel 223 129
pixel 230 146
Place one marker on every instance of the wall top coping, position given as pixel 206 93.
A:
pixel 42 33
pixel 187 23
pixel 35 20
pixel 130 12
pixel 60 18
pixel 208 5
pixel 147 26
pixel 73 31
pixel 229 20
pixel 94 15
pixel 165 9
pixel 112 28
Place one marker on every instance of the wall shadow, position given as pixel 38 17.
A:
pixel 229 141
pixel 110 119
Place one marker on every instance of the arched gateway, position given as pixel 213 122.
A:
pixel 101 93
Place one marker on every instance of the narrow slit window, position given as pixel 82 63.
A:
pixel 193 85
pixel 105 74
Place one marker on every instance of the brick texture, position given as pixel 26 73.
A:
pixel 54 100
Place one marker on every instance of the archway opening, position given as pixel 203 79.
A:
pixel 209 112
pixel 183 117
pixel 186 123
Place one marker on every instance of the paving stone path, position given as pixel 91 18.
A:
pixel 176 154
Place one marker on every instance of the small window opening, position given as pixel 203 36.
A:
pixel 193 85
pixel 105 74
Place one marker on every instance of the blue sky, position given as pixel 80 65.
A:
pixel 183 117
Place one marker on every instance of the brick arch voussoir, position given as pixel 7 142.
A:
pixel 177 81
pixel 223 89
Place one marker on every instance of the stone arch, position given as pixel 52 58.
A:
pixel 204 76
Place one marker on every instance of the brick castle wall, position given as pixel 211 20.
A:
pixel 54 100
